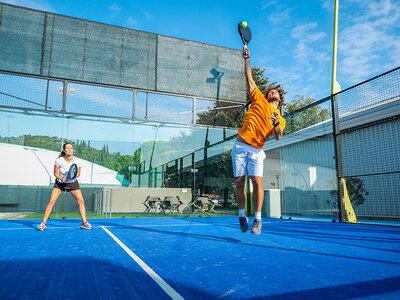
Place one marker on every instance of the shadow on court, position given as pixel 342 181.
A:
pixel 336 239
pixel 349 291
pixel 82 278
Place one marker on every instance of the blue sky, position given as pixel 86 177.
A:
pixel 292 40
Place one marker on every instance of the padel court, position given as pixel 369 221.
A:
pixel 198 258
pixel 146 114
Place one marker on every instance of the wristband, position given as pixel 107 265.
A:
pixel 276 124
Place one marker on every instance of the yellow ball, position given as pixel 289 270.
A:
pixel 244 24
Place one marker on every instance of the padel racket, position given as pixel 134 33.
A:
pixel 244 32
pixel 73 171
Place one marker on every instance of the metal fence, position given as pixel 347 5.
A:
pixel 367 131
pixel 360 144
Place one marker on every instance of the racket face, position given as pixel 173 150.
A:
pixel 73 171
pixel 245 33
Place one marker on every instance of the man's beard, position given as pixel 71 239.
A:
pixel 273 99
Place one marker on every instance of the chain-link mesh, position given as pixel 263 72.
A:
pixel 368 129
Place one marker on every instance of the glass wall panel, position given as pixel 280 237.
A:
pixel 308 175
pixel 213 165
pixel 147 137
pixel 140 105
pixel 106 147
pixel 162 143
pixel 29 145
pixel 219 113
pixel 94 100
pixel 55 95
pixel 23 92
pixel 164 108
pixel 201 137
pixel 203 108
pixel 19 128
pixel 229 132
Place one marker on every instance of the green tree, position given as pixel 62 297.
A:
pixel 260 80
pixel 356 189
pixel 229 115
pixel 299 120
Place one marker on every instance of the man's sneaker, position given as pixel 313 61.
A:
pixel 41 227
pixel 244 224
pixel 86 225
pixel 256 229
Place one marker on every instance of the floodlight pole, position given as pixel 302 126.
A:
pixel 335 88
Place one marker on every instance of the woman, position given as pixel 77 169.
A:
pixel 61 168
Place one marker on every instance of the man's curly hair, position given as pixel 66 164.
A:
pixel 280 91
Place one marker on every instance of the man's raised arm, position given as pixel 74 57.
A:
pixel 251 85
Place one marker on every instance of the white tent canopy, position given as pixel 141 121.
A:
pixel 23 165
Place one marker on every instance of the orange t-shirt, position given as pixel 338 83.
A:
pixel 256 125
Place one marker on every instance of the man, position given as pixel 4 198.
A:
pixel 262 120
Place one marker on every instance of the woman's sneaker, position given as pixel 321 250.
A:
pixel 86 225
pixel 41 227
pixel 256 229
pixel 244 224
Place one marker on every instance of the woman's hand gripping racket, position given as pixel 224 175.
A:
pixel 244 32
pixel 73 172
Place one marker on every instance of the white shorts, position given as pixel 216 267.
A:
pixel 247 160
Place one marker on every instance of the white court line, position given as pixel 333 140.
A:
pixel 34 228
pixel 165 286
pixel 174 225
pixel 128 226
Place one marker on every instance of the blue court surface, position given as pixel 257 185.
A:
pixel 198 258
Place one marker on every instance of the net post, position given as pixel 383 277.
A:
pixel 110 203
pixel 338 155
pixel 248 200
